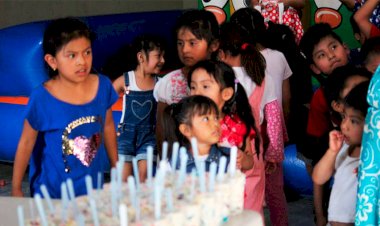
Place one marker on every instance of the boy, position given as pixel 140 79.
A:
pixel 324 51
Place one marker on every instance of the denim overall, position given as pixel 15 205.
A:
pixel 136 130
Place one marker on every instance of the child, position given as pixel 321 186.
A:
pixel 324 51
pixel 194 116
pixel 71 112
pixel 252 23
pixel 217 81
pixel 238 50
pixel 363 17
pixel 197 34
pixel 370 52
pixel 138 120
pixel 342 158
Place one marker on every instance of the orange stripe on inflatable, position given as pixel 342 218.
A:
pixel 14 100
pixel 118 106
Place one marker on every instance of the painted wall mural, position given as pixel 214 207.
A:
pixel 328 11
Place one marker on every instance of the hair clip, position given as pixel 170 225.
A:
pixel 245 45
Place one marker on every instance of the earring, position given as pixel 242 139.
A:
pixel 53 68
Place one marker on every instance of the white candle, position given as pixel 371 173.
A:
pixel 40 208
pixel 123 212
pixel 202 176
pixel 222 167
pixel 164 150
pixel 212 174
pixel 150 165
pixel 157 202
pixel 94 212
pixel 20 215
pixel 136 173
pixel 99 182
pixel 88 181
pixel 64 201
pixel 174 156
pixel 46 195
pixel 182 170
pixel 233 157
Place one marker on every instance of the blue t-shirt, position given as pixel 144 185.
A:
pixel 70 138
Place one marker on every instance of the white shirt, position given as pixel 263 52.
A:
pixel 278 69
pixel 342 205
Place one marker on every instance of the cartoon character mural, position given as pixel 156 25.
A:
pixel 337 15
pixel 219 8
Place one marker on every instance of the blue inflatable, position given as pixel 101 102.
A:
pixel 296 177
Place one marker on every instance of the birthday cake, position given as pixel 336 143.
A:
pixel 170 198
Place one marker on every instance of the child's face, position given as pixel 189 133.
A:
pixel 329 54
pixel 73 61
pixel 373 63
pixel 204 84
pixel 350 83
pixel 153 63
pixel 191 49
pixel 352 126
pixel 206 128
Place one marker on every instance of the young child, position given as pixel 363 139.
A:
pixel 237 50
pixel 194 116
pixel 217 81
pixel 341 159
pixel 252 23
pixel 136 130
pixel 71 113
pixel 324 51
pixel 370 52
pixel 197 39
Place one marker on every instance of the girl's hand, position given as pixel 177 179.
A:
pixel 239 159
pixel 17 193
pixel 335 141
pixel 270 167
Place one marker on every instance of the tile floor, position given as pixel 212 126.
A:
pixel 300 208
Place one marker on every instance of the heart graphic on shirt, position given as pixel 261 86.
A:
pixel 141 110
pixel 85 149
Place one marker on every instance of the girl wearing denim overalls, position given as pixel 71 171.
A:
pixel 136 130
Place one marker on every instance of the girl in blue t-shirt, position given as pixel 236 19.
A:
pixel 70 114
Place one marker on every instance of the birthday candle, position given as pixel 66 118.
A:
pixel 169 199
pixel 31 208
pixel 150 165
pixel 88 181
pixel 164 150
pixel 202 176
pixel 123 213
pixel 136 173
pixel 132 190
pixel 94 212
pixel 20 215
pixel 46 195
pixel 70 187
pixel 113 198
pixel 222 167
pixel 40 208
pixel 233 157
pixel 192 184
pixel 174 156
pixel 194 148
pixel 119 172
pixel 157 202
pixel 212 174
pixel 182 170
pixel 64 201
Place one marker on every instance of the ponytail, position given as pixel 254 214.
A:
pixel 253 62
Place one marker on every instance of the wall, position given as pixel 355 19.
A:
pixel 14 12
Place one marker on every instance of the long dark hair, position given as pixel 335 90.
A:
pixel 235 41
pixel 238 104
